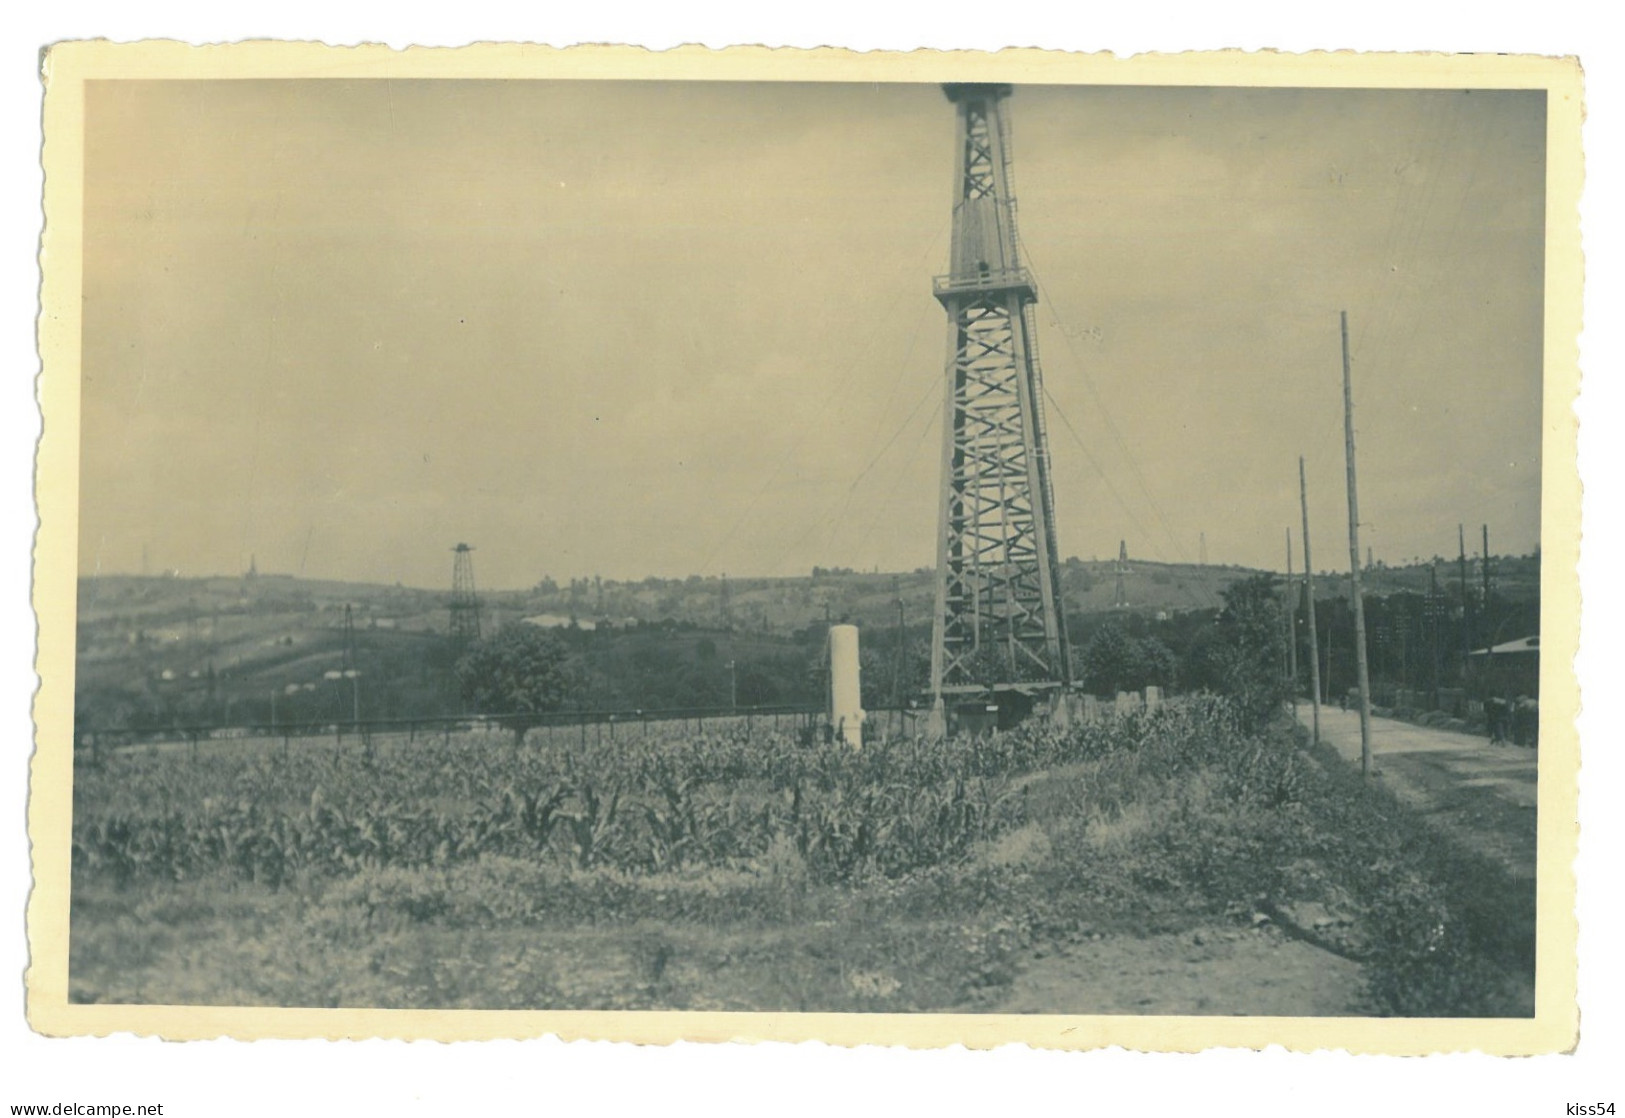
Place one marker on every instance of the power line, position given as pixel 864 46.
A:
pixel 1106 418
pixel 897 478
pixel 835 394
pixel 1127 509
pixel 840 518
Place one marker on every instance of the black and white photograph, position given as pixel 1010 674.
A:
pixel 942 545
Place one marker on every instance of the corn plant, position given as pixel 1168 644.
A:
pixel 594 826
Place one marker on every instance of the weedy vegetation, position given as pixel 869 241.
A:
pixel 747 869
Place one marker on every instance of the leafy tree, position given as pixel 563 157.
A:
pixel 880 674
pixel 520 671
pixel 1114 661
pixel 1111 661
pixel 1241 655
pixel 1158 664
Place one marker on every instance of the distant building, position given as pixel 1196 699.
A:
pixel 1509 669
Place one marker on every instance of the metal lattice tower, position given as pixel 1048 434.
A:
pixel 998 574
pixel 465 603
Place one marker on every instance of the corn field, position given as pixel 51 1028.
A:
pixel 665 800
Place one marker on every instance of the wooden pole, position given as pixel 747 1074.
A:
pixel 900 659
pixel 1466 606
pixel 1436 612
pixel 1291 624
pixel 1361 673
pixel 1331 638
pixel 1309 593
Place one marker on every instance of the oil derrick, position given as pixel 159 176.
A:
pixel 727 605
pixel 998 573
pixel 465 603
pixel 1120 598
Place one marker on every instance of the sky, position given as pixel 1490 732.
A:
pixel 656 328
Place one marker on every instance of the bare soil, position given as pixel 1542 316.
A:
pixel 1240 972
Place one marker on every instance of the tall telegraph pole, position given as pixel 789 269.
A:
pixel 1354 562
pixel 998 572
pixel 1291 624
pixel 1466 605
pixel 1309 594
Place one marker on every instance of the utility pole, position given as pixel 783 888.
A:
pixel 1466 606
pixel 900 657
pixel 1435 621
pixel 1484 570
pixel 1331 637
pixel 1309 593
pixel 1291 625
pixel 1361 673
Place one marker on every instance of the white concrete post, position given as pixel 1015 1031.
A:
pixel 846 691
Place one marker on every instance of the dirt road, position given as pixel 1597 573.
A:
pixel 1482 795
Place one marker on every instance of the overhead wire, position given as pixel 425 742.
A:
pixel 1203 593
pixel 1104 412
pixel 851 491
pixel 881 508
pixel 1111 488
pixel 832 520
pixel 803 430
